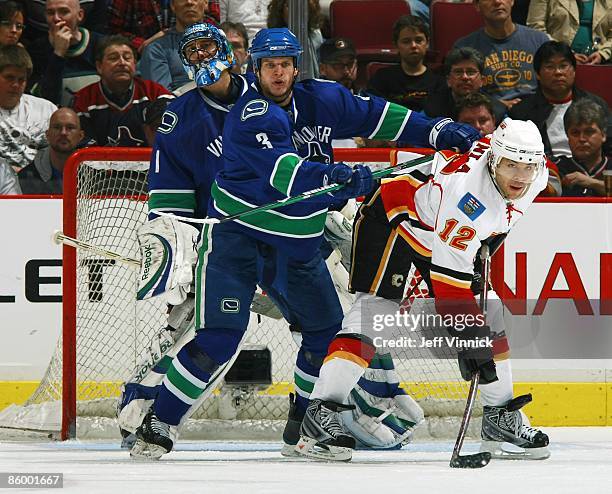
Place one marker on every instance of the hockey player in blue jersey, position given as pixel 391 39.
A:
pixel 185 159
pixel 280 133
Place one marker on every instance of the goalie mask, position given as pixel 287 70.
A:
pixel 205 53
pixel 516 157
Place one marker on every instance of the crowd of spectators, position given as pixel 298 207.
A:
pixel 76 73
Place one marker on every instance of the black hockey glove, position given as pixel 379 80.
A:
pixel 477 359
pixel 474 353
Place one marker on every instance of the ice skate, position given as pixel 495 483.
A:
pixel 153 439
pixel 291 434
pixel 322 436
pixel 506 436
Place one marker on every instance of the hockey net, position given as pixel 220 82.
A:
pixel 105 330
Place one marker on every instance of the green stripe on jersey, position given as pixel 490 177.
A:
pixel 177 200
pixel 183 384
pixel 269 222
pixel 303 384
pixel 382 361
pixel 164 364
pixel 284 172
pixel 393 121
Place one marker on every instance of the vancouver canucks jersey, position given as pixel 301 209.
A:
pixel 444 210
pixel 187 154
pixel 276 153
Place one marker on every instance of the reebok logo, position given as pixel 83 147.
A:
pixel 147 261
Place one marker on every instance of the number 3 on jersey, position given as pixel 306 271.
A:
pixel 262 138
pixel 461 238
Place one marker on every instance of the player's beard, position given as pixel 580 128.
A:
pixel 283 98
pixel 280 99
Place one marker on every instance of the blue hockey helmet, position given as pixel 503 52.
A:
pixel 275 42
pixel 208 71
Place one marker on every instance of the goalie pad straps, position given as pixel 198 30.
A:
pixel 168 254
pixel 384 416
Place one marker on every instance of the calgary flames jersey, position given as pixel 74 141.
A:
pixel 444 210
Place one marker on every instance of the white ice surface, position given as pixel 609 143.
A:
pixel 581 463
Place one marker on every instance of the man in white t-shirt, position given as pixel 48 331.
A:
pixel 24 119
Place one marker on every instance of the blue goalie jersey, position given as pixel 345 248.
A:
pixel 187 154
pixel 272 153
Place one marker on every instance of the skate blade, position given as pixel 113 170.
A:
pixel 289 451
pixel 143 451
pixel 508 451
pixel 310 448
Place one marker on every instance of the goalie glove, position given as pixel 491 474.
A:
pixel 385 416
pixel 168 254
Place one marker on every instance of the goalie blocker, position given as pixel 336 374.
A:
pixel 168 254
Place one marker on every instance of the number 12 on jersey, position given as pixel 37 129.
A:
pixel 463 235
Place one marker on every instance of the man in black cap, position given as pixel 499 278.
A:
pixel 338 61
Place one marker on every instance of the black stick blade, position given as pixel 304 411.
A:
pixel 477 460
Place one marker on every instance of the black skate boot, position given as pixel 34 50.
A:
pixel 322 436
pixel 291 434
pixel 504 424
pixel 153 439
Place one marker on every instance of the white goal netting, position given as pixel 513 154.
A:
pixel 113 331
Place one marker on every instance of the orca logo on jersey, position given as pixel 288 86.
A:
pixel 168 122
pixel 254 109
pixel 230 305
pixel 471 206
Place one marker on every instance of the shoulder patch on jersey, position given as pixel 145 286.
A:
pixel 254 109
pixel 168 122
pixel 471 206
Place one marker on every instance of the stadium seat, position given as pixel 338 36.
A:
pixel 596 79
pixel 369 23
pixel 449 22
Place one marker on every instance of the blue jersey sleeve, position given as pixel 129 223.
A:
pixel 374 118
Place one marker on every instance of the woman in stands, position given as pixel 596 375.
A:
pixel 11 23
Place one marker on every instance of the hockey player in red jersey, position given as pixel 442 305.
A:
pixel 436 217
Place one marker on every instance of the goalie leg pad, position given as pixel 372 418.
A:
pixel 142 387
pixel 339 233
pixel 384 416
pixel 136 400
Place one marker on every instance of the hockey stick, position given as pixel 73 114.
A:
pixel 59 238
pixel 300 197
pixel 482 459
